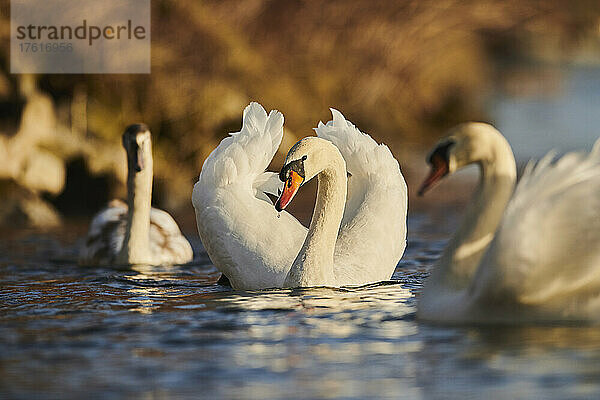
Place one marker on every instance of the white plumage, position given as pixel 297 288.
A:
pixel 255 247
pixel 135 233
pixel 107 233
pixel 543 260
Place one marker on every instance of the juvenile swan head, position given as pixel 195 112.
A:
pixel 137 144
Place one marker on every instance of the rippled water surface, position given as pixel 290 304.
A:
pixel 69 332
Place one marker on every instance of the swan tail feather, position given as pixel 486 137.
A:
pixel 363 155
pixel 244 156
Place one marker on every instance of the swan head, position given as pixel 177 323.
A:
pixel 136 141
pixel 307 158
pixel 465 144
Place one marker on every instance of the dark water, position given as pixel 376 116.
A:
pixel 155 333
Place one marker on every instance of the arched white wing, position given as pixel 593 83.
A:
pixel 246 238
pixel 546 252
pixel 372 236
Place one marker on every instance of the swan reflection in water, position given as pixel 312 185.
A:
pixel 150 287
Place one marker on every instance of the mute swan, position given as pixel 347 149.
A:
pixel 531 255
pixel 255 246
pixel 135 233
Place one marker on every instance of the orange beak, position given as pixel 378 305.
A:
pixel 289 191
pixel 439 169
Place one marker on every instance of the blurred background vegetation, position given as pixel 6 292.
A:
pixel 401 70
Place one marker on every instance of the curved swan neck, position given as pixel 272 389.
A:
pixel 314 263
pixel 136 244
pixel 466 248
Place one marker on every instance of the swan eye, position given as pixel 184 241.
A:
pixel 304 157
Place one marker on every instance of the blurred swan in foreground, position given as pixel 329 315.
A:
pixel 531 255
pixel 135 233
pixel 352 239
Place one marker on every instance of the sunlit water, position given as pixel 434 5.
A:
pixel 70 332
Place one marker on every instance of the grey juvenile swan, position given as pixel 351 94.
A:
pixel 135 233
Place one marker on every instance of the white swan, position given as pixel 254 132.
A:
pixel 135 233
pixel 255 246
pixel 529 256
